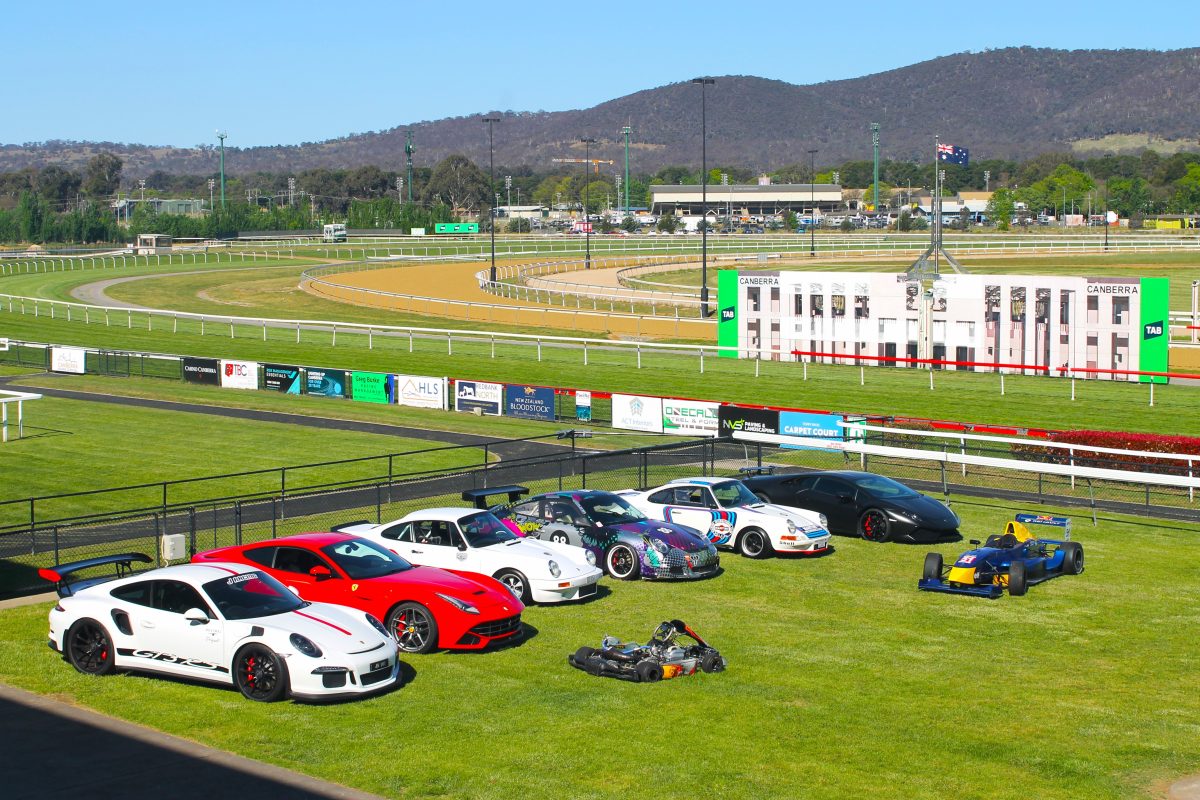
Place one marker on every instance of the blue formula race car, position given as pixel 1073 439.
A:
pixel 1013 560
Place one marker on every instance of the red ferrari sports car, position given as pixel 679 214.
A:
pixel 424 607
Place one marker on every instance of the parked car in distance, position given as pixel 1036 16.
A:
pixel 470 540
pixel 424 608
pixel 625 541
pixel 863 504
pixel 220 622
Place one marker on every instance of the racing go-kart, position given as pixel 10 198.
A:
pixel 660 658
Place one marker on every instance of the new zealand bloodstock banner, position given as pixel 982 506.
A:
pixel 530 402
pixel 281 378
pixel 325 382
pixel 732 419
pixel 202 370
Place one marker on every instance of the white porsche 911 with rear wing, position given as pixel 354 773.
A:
pixel 220 622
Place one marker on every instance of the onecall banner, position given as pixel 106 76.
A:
pixel 471 395
pixel 68 359
pixel 529 402
pixel 811 426
pixel 421 391
pixel 202 370
pixel 325 382
pixel 372 387
pixel 635 413
pixel 281 378
pixel 239 374
pixel 689 417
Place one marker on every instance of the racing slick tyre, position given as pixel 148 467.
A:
pixel 1072 558
pixel 711 662
pixel 260 674
pixel 762 496
pixel 1016 579
pixel 874 526
pixel 623 563
pixel 649 671
pixel 558 537
pixel 89 648
pixel 516 583
pixel 413 627
pixel 754 543
pixel 933 567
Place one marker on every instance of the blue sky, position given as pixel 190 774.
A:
pixel 271 72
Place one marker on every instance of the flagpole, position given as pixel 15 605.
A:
pixel 936 205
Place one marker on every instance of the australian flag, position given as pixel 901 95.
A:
pixel 955 155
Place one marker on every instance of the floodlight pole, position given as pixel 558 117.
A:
pixel 587 183
pixel 704 82
pixel 812 200
pixel 490 121
pixel 221 135
pixel 408 151
pixel 626 130
pixel 875 147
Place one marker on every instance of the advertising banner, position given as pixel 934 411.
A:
pixel 471 395
pixel 281 378
pixel 811 426
pixel 239 374
pixel 421 391
pixel 634 413
pixel 530 402
pixel 202 370
pixel 325 382
pixel 583 406
pixel 67 359
pixel 732 419
pixel 373 387
pixel 689 417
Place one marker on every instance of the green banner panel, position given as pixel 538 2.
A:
pixel 727 311
pixel 1155 313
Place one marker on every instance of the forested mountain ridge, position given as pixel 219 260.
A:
pixel 1007 103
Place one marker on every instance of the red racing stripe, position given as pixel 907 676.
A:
pixel 324 622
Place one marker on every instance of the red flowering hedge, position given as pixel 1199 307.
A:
pixel 1148 442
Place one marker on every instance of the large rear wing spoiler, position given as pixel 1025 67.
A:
pixel 1062 523
pixel 59 573
pixel 479 497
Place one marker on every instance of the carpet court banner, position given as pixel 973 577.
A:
pixel 635 413
pixel 529 402
pixel 732 419
pixel 239 374
pixel 325 382
pixel 373 387
pixel 471 395
pixel 810 426
pixel 281 378
pixel 421 391
pixel 202 370
pixel 68 359
pixel 689 417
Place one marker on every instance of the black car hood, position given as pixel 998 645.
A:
pixel 932 513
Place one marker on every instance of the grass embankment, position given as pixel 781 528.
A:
pixel 844 681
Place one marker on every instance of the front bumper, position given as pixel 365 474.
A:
pixel 678 565
pixel 990 591
pixel 802 544
pixel 563 590
pixel 349 676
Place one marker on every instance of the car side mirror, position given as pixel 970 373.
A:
pixel 975 541
pixel 321 573
pixel 196 616
pixel 462 546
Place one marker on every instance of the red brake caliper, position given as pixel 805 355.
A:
pixel 250 671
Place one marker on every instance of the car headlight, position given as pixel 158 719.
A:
pixel 660 545
pixel 304 645
pixel 555 570
pixel 590 556
pixel 377 625
pixel 824 521
pixel 791 526
pixel 459 604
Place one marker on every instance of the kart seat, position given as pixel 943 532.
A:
pixel 1005 541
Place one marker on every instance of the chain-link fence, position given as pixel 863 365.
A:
pixel 217 523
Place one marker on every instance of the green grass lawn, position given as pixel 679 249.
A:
pixel 844 681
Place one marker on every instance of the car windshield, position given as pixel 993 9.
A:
pixel 884 487
pixel 609 509
pixel 483 530
pixel 731 494
pixel 362 559
pixel 251 594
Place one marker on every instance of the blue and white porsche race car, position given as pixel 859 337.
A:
pixel 728 514
pixel 219 622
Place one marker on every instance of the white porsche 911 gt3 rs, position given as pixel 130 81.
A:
pixel 225 623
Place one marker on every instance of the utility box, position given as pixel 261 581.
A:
pixel 174 547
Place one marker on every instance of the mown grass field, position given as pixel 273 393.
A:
pixel 844 681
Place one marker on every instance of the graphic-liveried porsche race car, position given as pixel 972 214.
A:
pixel 1013 560
pixel 625 542
pixel 661 658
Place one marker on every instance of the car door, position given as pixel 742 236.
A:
pixel 693 506
pixel 293 566
pixel 435 544
pixel 835 499
pixel 169 642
